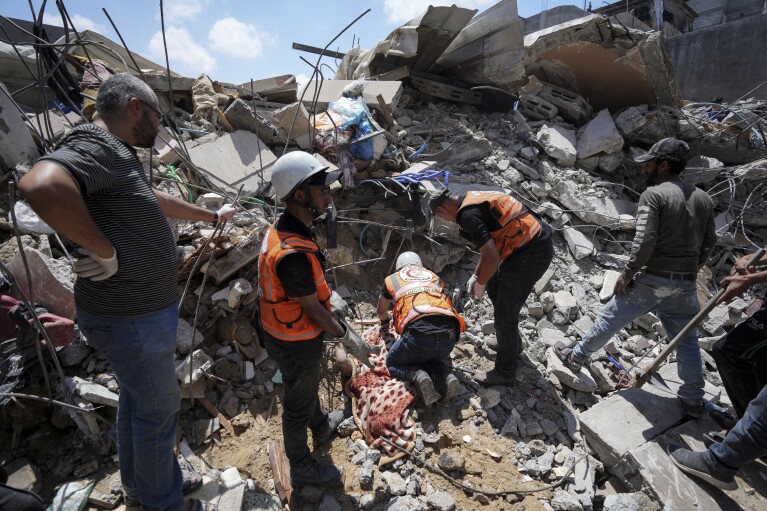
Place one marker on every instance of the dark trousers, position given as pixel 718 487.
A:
pixel 19 500
pixel 300 365
pixel 415 350
pixel 741 358
pixel 508 289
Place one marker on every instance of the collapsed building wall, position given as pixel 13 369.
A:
pixel 728 60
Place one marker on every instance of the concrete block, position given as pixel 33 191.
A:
pixel 16 143
pixel 566 302
pixel 199 361
pixel 94 392
pixel 235 158
pixel 23 475
pixel 582 381
pixel 559 143
pixel 578 243
pixel 609 162
pixel 284 118
pixel 599 136
pixel 551 336
pixel 465 153
pixel 544 283
pixel 629 120
pixel 603 211
pixel 535 108
pixel 231 478
pixel 52 281
pixel 571 106
pixel 608 284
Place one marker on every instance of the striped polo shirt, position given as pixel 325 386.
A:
pixel 121 203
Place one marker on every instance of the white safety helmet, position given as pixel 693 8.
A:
pixel 406 258
pixel 293 169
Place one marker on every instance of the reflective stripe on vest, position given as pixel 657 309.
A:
pixel 281 316
pixel 417 292
pixel 518 225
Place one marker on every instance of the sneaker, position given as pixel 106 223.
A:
pixel 327 430
pixel 691 409
pixel 312 472
pixel 425 386
pixel 495 377
pixel 694 463
pixel 567 355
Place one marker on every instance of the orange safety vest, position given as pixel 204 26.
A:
pixel 418 292
pixel 518 225
pixel 281 316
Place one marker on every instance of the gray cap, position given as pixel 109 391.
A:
pixel 667 148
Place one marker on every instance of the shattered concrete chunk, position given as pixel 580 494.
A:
pixel 599 136
pixel 630 120
pixel 608 284
pixel 578 243
pixel 199 362
pixel 95 393
pixel 559 143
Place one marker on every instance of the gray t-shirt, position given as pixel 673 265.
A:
pixel 674 229
pixel 121 202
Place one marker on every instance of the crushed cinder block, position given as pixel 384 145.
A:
pixel 599 136
pixel 535 108
pixel 630 120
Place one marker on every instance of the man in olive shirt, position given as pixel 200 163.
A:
pixel 674 236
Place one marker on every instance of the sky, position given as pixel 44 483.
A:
pixel 238 40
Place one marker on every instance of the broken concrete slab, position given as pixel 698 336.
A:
pixel 608 284
pixel 284 118
pixel 236 158
pixel 599 136
pixel 243 117
pixel 604 211
pixel 16 143
pixel 578 243
pixel 465 153
pixel 623 69
pixel 559 143
pixel 649 469
pixel 244 253
pixel 490 48
pixel 52 281
pixel 630 418
pixel 330 90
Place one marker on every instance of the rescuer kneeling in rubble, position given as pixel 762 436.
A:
pixel 428 326
pixel 515 250
pixel 295 312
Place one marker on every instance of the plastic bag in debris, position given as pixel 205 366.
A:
pixel 362 150
pixel 28 221
pixel 354 89
pixel 351 110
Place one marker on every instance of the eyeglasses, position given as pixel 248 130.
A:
pixel 160 116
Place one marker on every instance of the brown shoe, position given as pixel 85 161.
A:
pixel 495 377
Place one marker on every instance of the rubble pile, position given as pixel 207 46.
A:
pixel 413 112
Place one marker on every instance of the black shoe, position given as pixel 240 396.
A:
pixel 694 463
pixel 690 408
pixel 452 385
pixel 327 430
pixel 425 386
pixel 567 356
pixel 495 377
pixel 312 472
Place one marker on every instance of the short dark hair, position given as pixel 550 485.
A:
pixel 117 90
pixel 676 166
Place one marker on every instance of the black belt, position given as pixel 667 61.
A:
pixel 673 275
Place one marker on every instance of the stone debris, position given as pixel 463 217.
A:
pixel 567 150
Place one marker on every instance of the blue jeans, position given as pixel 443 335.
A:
pixel 141 351
pixel 675 303
pixel 410 351
pixel 745 442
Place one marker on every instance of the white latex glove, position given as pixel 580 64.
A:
pixel 356 346
pixel 338 306
pixel 474 288
pixel 226 212
pixel 94 267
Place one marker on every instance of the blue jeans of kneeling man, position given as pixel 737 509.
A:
pixel 410 351
pixel 141 351
pixel 675 303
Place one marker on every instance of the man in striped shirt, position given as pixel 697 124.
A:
pixel 93 190
pixel 674 236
